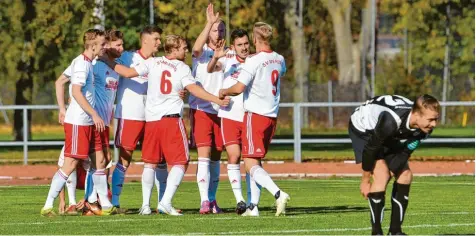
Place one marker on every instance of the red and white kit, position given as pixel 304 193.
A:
pixel 165 134
pixel 232 115
pixel 205 124
pixel 261 74
pixel 78 125
pixel 130 108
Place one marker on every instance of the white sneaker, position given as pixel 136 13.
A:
pixel 281 203
pixel 145 210
pixel 250 212
pixel 168 210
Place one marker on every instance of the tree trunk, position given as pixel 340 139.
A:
pixel 24 85
pixel 301 58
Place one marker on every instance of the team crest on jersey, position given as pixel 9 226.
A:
pixel 111 84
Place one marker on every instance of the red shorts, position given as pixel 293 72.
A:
pixel 257 134
pixel 78 140
pixel 165 138
pixel 81 176
pixel 205 130
pixel 128 133
pixel 101 140
pixel 231 131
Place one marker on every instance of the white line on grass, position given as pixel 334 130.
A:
pixel 335 229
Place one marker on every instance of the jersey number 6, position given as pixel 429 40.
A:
pixel 165 84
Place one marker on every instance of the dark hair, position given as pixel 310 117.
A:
pixel 150 29
pixel 113 35
pixel 426 102
pixel 238 33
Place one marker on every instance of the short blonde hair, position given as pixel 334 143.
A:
pixel 172 41
pixel 90 35
pixel 262 31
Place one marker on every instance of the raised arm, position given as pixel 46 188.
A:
pixel 202 38
pixel 214 64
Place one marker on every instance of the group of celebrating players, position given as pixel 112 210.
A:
pixel 234 102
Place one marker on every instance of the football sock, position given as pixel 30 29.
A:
pixel 262 178
pixel 214 180
pixel 161 179
pixel 203 177
pixel 377 206
pixel 175 178
pixel 117 182
pixel 100 184
pixel 234 176
pixel 58 182
pixel 148 176
pixel 400 194
pixel 71 187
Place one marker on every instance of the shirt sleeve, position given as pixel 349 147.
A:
pixel 80 70
pixel 284 69
pixel 248 71
pixel 222 61
pixel 68 72
pixel 144 67
pixel 187 79
pixel 386 127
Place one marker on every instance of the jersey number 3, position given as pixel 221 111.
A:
pixel 274 81
pixel 165 84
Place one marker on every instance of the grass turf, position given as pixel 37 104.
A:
pixel 438 205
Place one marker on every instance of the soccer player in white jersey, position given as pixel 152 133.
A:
pixel 165 135
pixel 130 112
pixel 230 63
pixel 106 81
pixel 80 121
pixel 259 80
pixel 205 124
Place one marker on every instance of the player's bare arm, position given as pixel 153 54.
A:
pixel 214 64
pixel 59 85
pixel 199 92
pixel 202 38
pixel 84 104
pixel 234 90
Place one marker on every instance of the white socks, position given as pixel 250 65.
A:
pixel 234 176
pixel 148 176
pixel 161 179
pixel 71 187
pixel 100 184
pixel 262 178
pixel 254 190
pixel 117 182
pixel 203 177
pixel 214 179
pixel 58 182
pixel 173 181
pixel 90 191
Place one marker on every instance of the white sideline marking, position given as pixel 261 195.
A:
pixel 5 177
pixel 337 229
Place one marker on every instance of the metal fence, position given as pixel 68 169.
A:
pixel 296 140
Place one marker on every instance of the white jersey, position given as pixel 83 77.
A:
pixel 211 82
pixel 231 66
pixel 261 74
pixel 131 93
pixel 166 79
pixel 81 73
pixel 106 82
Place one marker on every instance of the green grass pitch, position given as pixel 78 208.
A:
pixel 438 205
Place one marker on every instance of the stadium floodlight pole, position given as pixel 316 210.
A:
pixel 151 12
pixel 372 46
pixel 228 21
pixel 98 12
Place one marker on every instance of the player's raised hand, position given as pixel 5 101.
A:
pixel 61 115
pixel 211 16
pixel 220 51
pixel 98 123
